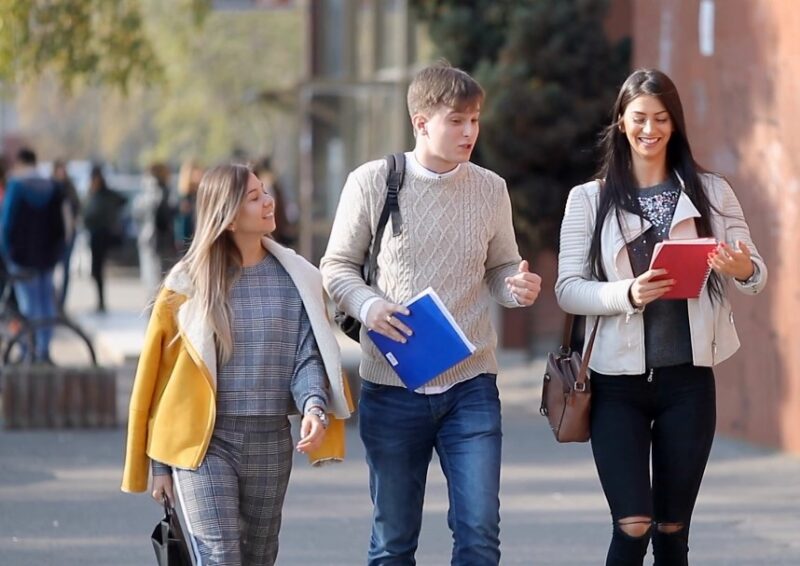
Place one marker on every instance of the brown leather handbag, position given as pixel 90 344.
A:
pixel 567 391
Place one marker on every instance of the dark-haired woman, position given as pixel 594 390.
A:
pixel 651 367
pixel 101 218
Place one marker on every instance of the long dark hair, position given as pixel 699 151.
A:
pixel 618 188
pixel 96 175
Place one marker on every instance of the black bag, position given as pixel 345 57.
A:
pixel 396 166
pixel 171 546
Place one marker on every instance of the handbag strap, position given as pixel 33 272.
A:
pixel 565 350
pixel 396 167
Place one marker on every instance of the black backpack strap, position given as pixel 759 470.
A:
pixel 396 169
pixel 394 181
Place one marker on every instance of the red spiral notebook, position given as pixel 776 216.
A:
pixel 686 261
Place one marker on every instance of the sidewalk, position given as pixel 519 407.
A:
pixel 60 501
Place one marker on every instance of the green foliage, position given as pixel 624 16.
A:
pixel 81 41
pixel 551 76
pixel 210 99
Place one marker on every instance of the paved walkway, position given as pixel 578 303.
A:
pixel 60 502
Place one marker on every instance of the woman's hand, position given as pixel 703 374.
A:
pixel 311 434
pixel 644 291
pixel 162 486
pixel 381 319
pixel 727 261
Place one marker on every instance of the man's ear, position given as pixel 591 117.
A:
pixel 419 122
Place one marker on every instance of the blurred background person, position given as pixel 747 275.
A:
pixel 154 213
pixel 185 215
pixel 286 231
pixel 102 220
pixel 2 194
pixel 73 211
pixel 32 239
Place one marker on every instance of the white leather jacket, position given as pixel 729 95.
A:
pixel 619 346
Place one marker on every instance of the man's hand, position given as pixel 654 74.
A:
pixel 524 286
pixel 381 319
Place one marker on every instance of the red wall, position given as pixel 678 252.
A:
pixel 742 107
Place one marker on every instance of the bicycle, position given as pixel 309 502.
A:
pixel 18 332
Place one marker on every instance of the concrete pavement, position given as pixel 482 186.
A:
pixel 60 502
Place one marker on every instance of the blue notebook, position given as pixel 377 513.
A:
pixel 438 343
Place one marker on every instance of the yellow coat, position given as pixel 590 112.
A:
pixel 173 403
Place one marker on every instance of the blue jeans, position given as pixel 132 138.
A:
pixel 400 429
pixel 36 301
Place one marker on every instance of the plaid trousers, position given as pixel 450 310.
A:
pixel 232 503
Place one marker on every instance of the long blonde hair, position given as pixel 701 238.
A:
pixel 213 261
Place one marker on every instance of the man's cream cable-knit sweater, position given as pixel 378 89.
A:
pixel 457 237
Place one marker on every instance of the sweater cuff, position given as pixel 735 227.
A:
pixel 354 302
pixel 314 401
pixel 160 469
pixel 364 311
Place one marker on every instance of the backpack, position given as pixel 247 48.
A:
pixel 36 237
pixel 396 165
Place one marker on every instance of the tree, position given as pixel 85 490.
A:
pixel 81 41
pixel 207 102
pixel 551 76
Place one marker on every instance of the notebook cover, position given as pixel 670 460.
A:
pixel 436 345
pixel 686 261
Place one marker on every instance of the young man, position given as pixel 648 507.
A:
pixel 32 236
pixel 457 237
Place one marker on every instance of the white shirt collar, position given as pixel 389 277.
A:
pixel 418 169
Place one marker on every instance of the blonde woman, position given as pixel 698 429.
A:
pixel 238 339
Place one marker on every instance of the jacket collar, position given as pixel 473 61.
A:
pixel 633 226
pixel 192 323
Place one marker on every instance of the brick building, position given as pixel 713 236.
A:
pixel 737 66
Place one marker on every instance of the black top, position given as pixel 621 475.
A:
pixel 666 322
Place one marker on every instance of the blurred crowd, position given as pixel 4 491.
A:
pixel 46 218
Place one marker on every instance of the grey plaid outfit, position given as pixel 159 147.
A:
pixel 233 501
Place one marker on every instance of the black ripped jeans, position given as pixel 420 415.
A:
pixel 672 411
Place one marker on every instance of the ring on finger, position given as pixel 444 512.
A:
pixel 389 318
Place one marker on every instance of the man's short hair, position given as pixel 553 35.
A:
pixel 26 156
pixel 443 85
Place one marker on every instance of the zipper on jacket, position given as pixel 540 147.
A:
pixel 650 376
pixel 714 343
